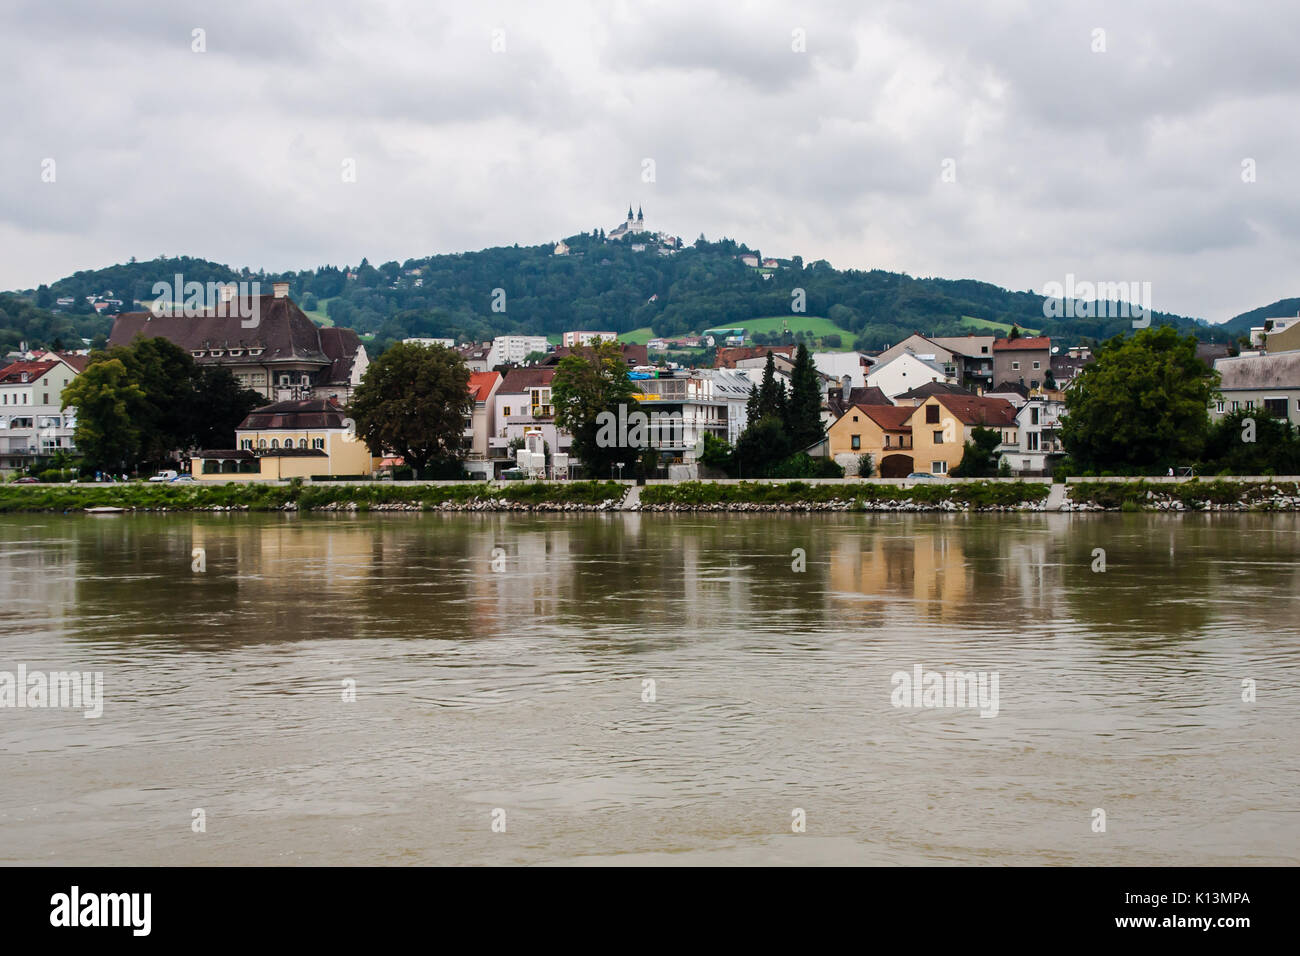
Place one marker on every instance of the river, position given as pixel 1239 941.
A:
pixel 662 689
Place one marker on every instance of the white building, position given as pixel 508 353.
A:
pixel 838 364
pixel 574 339
pixel 445 343
pixel 1038 437
pixel 33 424
pixel 907 371
pixel 513 349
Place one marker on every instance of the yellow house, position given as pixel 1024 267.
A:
pixel 880 431
pixel 942 424
pixel 290 440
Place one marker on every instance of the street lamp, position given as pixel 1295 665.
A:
pixel 620 470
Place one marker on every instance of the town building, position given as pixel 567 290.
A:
pixel 278 351
pixel 33 423
pixel 292 439
pixel 942 424
pixel 1025 360
pixel 445 343
pixel 523 406
pixel 882 431
pixel 480 425
pixel 571 339
pixel 907 370
pixel 513 349
pixel 1270 382
pixel 1037 445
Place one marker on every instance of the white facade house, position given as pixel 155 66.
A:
pixel 32 422
pixel 906 371
pixel 513 349
pixel 838 364
pixel 445 343
pixel 1038 437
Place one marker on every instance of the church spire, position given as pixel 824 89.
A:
pixel 629 213
pixel 639 217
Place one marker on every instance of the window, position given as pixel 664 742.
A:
pixel 938 437
pixel 217 353
pixel 505 410
pixel 938 468
pixel 886 441
pixel 931 414
pixel 1236 405
pixel 855 418
pixel 237 352
pixel 1038 365
pixel 1250 403
pixel 1031 441
pixel 1015 366
pixel 1218 406
pixel 984 350
pixel 45 400
pixel 857 442
pixel 246 443
pixel 318 443
pixel 275 443
pixel 1276 406
pixel 1033 415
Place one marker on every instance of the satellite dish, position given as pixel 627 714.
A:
pixel 1055 349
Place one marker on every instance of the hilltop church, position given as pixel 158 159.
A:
pixel 631 227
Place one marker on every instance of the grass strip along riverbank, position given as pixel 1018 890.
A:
pixel 1262 494
pixel 300 496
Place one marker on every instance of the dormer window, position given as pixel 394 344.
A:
pixel 197 353
pixel 254 351
pixel 236 352
pixel 217 353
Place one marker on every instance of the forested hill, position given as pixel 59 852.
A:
pixel 1281 309
pixel 600 284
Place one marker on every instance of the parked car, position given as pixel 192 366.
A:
pixel 922 474
pixel 165 475
pixel 181 478
pixel 27 481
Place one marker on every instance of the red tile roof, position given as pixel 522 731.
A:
pixel 977 410
pixel 1024 342
pixel 13 374
pixel 889 417
pixel 520 380
pixel 480 384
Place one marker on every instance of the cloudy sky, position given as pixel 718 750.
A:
pixel 1113 141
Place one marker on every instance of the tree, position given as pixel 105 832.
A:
pixel 803 420
pixel 414 400
pixel 771 394
pixel 1252 441
pixel 1143 403
pixel 220 404
pixel 109 407
pixel 866 466
pixel 978 459
pixel 586 385
pixel 717 453
pixel 761 446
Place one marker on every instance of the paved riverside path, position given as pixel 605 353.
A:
pixel 632 499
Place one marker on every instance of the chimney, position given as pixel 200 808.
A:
pixel 846 386
pixel 281 289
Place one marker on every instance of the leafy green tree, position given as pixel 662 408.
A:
pixel 109 408
pixel 760 447
pixel 1252 441
pixel 220 403
pixel 866 466
pixel 585 385
pixel 414 400
pixel 978 459
pixel 717 453
pixel 803 411
pixel 1142 403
